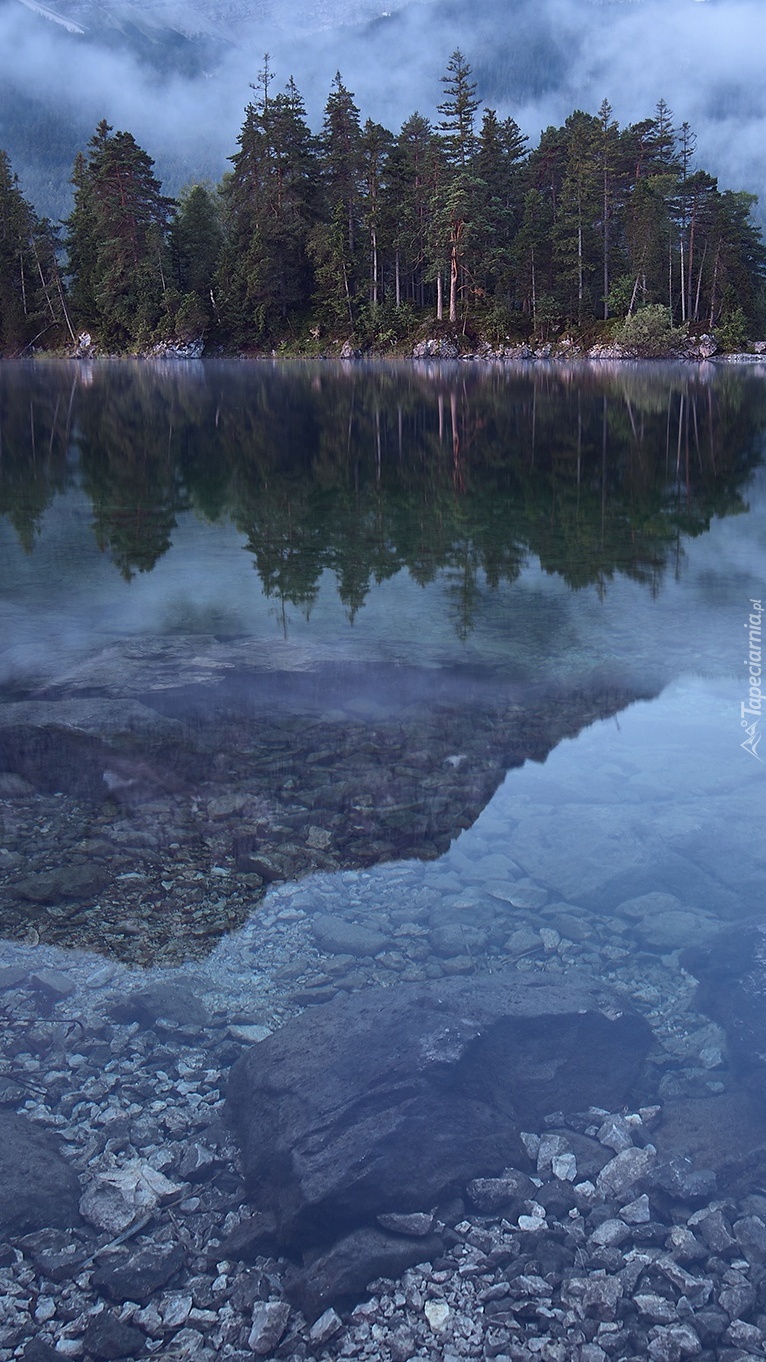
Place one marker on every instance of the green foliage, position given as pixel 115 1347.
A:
pixel 731 332
pixel 649 333
pixel 31 298
pixel 119 264
pixel 359 228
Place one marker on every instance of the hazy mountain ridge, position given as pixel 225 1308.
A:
pixel 178 75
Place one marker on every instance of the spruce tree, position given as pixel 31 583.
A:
pixel 458 111
pixel 336 244
pixel 270 206
pixel 117 240
pixel 17 276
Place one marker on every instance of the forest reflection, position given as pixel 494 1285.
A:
pixel 364 471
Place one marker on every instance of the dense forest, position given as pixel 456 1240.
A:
pixel 453 226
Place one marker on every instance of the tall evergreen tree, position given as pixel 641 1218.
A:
pixel 458 110
pixel 117 240
pixel 411 174
pixel 270 200
pixel 336 246
pixel 32 299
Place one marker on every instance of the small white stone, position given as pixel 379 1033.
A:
pixel 70 1347
pixel 269 1322
pixel 531 1144
pixel 175 1310
pixel 564 1167
pixel 437 1313
pixel 249 1035
pixel 550 938
pixel 586 1192
pixel 323 1328
pixel 637 1212
pixel 531 1223
pixel 45 1309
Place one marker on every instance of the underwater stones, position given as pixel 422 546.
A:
pixel 269 1321
pixel 38 1189
pixel 381 1101
pixel 176 1002
pixel 580 852
pixel 661 922
pixel 91 747
pixel 67 882
pixel 341 937
pixel 731 969
pixel 339 1276
pixel 136 1276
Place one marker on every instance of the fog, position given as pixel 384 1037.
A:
pixel 534 59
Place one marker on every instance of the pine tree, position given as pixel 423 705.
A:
pixel 17 279
pixel 377 143
pixel 266 276
pixel 196 236
pixel 336 242
pixel 458 111
pixel 411 174
pixel 32 301
pixel 117 240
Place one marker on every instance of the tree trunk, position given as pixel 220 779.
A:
pixel 398 282
pixel 453 275
pixel 606 244
pixel 579 270
pixel 699 284
pixel 690 265
pixel 439 298
pixel 714 285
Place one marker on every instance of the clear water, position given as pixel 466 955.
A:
pixel 365 597
pixel 320 677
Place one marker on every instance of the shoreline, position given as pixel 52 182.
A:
pixel 433 349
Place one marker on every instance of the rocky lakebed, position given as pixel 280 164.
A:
pixel 292 1067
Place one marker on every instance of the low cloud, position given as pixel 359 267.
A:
pixel 534 59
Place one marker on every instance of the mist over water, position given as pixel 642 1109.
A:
pixel 179 82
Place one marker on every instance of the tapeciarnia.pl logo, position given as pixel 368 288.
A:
pixel 751 709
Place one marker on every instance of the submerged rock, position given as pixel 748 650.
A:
pixel 38 1189
pixel 340 1275
pixel 732 974
pixel 386 1100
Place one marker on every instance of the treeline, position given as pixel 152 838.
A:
pixel 365 234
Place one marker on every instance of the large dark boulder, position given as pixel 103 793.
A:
pixel 390 1099
pixel 38 1188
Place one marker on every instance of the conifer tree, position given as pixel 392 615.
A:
pixel 458 111
pixel 17 277
pixel 271 206
pixel 336 242
pixel 410 176
pixel 117 240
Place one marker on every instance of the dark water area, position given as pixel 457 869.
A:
pixel 322 685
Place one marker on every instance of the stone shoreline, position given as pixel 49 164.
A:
pixel 701 349
pixel 605 1245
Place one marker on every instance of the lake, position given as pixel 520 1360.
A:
pixel 324 679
